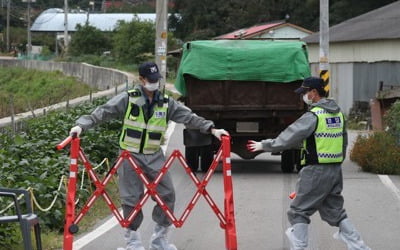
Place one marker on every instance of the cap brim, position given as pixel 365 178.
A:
pixel 154 77
pixel 300 90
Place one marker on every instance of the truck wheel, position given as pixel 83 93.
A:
pixel 192 157
pixel 288 161
pixel 207 156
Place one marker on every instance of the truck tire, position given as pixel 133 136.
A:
pixel 207 156
pixel 192 157
pixel 288 160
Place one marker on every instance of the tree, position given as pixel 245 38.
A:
pixel 345 9
pixel 89 40
pixel 209 18
pixel 132 40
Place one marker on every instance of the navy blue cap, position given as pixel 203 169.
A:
pixel 150 71
pixel 311 83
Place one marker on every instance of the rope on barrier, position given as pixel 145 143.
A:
pixel 63 178
pixel 30 189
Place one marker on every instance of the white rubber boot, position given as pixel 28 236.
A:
pixel 159 239
pixel 133 240
pixel 298 236
pixel 349 235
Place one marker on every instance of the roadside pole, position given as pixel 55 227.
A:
pixel 66 38
pixel 28 28
pixel 161 38
pixel 8 26
pixel 324 43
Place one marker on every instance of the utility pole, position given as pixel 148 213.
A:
pixel 161 38
pixel 29 44
pixel 324 43
pixel 8 26
pixel 66 38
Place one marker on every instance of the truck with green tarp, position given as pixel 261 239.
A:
pixel 247 88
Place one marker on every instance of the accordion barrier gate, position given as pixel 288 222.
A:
pixel 227 219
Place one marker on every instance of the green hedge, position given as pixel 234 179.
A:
pixel 379 152
pixel 392 120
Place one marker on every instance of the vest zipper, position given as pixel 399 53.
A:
pixel 144 132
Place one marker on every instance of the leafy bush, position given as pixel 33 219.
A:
pixel 392 120
pixel 29 159
pixel 377 153
pixel 89 40
pixel 132 39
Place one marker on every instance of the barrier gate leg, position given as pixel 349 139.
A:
pixel 69 227
pixel 230 230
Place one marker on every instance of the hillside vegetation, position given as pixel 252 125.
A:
pixel 24 90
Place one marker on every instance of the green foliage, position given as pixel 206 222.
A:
pixel 209 18
pixel 346 9
pixel 30 160
pixel 33 89
pixel 89 40
pixel 46 52
pixel 140 7
pixel 90 59
pixel 132 40
pixel 10 235
pixel 18 38
pixel 377 153
pixel 46 40
pixel 392 120
pixel 380 152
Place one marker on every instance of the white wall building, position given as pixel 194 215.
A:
pixel 364 51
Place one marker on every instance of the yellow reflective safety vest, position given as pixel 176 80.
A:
pixel 325 145
pixel 139 136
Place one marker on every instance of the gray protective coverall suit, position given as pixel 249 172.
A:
pixel 130 186
pixel 319 186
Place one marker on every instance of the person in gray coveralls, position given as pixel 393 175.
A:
pixel 323 134
pixel 145 112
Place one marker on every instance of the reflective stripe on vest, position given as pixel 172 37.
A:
pixel 325 145
pixel 136 133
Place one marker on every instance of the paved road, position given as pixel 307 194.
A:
pixel 261 200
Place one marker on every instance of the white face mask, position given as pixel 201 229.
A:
pixel 152 86
pixel 306 100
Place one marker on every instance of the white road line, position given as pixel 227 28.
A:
pixel 104 228
pixel 389 184
pixel 112 222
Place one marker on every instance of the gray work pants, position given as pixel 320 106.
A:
pixel 319 189
pixel 131 188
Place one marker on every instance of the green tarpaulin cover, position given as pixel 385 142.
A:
pixel 243 60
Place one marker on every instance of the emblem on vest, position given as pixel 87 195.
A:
pixel 333 122
pixel 159 114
